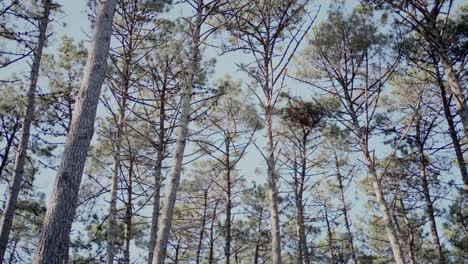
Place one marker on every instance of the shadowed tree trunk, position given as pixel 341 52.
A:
pixel 6 220
pixel 64 197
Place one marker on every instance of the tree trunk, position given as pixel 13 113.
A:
pixel 61 208
pixel 165 222
pixel 272 188
pixel 8 146
pixel 212 240
pixel 6 220
pixel 453 133
pixel 111 236
pixel 389 224
pixel 344 208
pixel 227 246
pixel 157 176
pixel 330 235
pixel 427 197
pixel 455 87
pixel 202 228
pixel 128 212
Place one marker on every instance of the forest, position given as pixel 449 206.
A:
pixel 233 131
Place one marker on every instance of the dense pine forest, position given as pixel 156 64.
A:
pixel 233 131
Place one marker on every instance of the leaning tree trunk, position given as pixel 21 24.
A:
pixel 64 197
pixel 455 87
pixel 8 214
pixel 128 212
pixel 165 222
pixel 382 203
pixel 453 133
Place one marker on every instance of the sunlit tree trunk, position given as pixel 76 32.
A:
pixel 165 222
pixel 64 197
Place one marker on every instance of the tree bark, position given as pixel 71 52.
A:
pixel 157 176
pixel 455 87
pixel 272 179
pixel 6 220
pixel 344 208
pixel 64 197
pixel 212 239
pixel 227 246
pixel 330 235
pixel 453 133
pixel 128 212
pixel 165 222
pixel 111 236
pixel 8 145
pixel 202 228
pixel 427 197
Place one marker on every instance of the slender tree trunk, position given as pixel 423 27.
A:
pixel 6 220
pixel 13 252
pixel 61 208
pixel 212 240
pixel 111 235
pixel 8 146
pixel 157 176
pixel 388 221
pixel 128 212
pixel 410 241
pixel 389 224
pixel 330 236
pixel 272 188
pixel 227 246
pixel 202 228
pixel 453 133
pixel 297 201
pixel 165 222
pixel 344 208
pixel 455 87
pixel 256 255
pixel 427 197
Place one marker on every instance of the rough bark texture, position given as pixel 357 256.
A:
pixel 61 208
pixel 165 221
pixel 8 214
